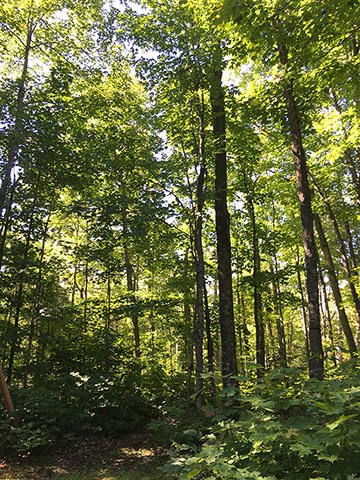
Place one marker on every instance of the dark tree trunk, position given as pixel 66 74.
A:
pixel 327 320
pixel 279 316
pixel 15 137
pixel 36 305
pixel 342 247
pixel 302 306
pixel 258 306
pixel 335 286
pixel 316 359
pixel 226 307
pixel 19 295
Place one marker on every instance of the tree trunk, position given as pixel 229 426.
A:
pixel 226 307
pixel 302 300
pixel 15 138
pixel 279 316
pixel 335 286
pixel 21 283
pixel 327 319
pixel 131 287
pixel 7 399
pixel 36 305
pixel 316 359
pixel 258 307
pixel 342 247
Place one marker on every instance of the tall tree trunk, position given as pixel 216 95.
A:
pixel 316 359
pixel 131 286
pixel 327 319
pixel 302 306
pixel 279 315
pixel 342 247
pixel 258 307
pixel 36 305
pixel 86 292
pixel 19 298
pixel 335 286
pixel 15 137
pixel 6 223
pixel 226 307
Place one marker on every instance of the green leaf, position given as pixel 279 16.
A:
pixel 194 473
pixel 340 420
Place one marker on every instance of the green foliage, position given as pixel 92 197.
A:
pixel 279 427
pixel 73 405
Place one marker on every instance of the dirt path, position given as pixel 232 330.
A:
pixel 131 457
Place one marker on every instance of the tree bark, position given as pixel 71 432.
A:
pixel 331 271
pixel 342 247
pixel 15 137
pixel 226 307
pixel 316 359
pixel 279 316
pixel 257 297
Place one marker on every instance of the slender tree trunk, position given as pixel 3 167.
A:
pixel 7 399
pixel 327 319
pixel 342 247
pixel 199 261
pixel 353 270
pixel 21 284
pixel 335 286
pixel 36 305
pixel 258 307
pixel 210 345
pixel 6 223
pixel 226 307
pixel 316 359
pixel 15 137
pixel 279 316
pixel 86 291
pixel 302 306
pixel 131 287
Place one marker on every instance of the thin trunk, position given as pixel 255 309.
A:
pixel 279 317
pixel 342 247
pixel 222 220
pixel 258 306
pixel 316 359
pixel 131 285
pixel 353 270
pixel 327 319
pixel 15 138
pixel 335 286
pixel 6 224
pixel 36 305
pixel 21 284
pixel 199 261
pixel 240 331
pixel 7 399
pixel 210 346
pixel 302 306
pixel 86 291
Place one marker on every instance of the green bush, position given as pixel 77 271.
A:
pixel 279 427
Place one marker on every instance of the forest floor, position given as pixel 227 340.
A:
pixel 131 457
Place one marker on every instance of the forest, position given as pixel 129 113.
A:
pixel 180 237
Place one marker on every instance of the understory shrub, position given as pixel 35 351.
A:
pixel 72 405
pixel 279 427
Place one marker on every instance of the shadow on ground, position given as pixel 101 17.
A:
pixel 131 457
